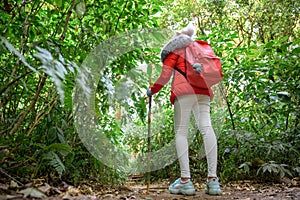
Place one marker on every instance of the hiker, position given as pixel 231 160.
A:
pixel 186 99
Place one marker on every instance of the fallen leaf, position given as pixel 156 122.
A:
pixel 38 181
pixel 32 192
pixel 107 196
pixel 13 184
pixel 72 191
pixel 3 187
pixel 45 188
pixel 86 189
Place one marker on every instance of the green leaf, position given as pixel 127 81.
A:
pixel 149 72
pixel 58 147
pixel 58 3
pixel 17 53
pixel 296 51
pixel 271 75
pixel 55 162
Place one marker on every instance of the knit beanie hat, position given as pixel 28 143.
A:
pixel 188 30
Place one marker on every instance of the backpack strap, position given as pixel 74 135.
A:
pixel 179 70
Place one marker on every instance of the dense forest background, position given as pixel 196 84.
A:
pixel 255 112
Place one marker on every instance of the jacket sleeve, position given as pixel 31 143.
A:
pixel 166 73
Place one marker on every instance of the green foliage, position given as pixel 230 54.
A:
pixel 274 169
pixel 55 162
pixel 42 46
pixel 248 154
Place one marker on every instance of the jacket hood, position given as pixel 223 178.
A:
pixel 177 42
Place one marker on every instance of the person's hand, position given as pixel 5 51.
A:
pixel 149 92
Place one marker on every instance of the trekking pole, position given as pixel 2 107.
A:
pixel 149 144
pixel 149 131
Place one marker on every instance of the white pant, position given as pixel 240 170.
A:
pixel 200 105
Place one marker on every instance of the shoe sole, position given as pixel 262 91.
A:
pixel 185 192
pixel 213 192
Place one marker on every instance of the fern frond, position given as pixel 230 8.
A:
pixel 58 147
pixel 55 162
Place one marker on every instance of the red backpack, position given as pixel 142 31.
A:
pixel 203 68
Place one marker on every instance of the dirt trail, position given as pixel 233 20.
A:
pixel 245 190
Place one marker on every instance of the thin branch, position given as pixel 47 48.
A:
pixel 43 113
pixel 12 178
pixel 4 88
pixel 24 37
pixel 118 20
pixel 7 25
pixel 221 88
pixel 200 27
pixel 63 35
pixel 25 113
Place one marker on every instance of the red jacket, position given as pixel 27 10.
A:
pixel 180 86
